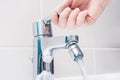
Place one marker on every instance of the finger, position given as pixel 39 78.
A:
pixel 89 20
pixel 63 17
pixel 81 18
pixel 54 18
pixel 72 18
pixel 63 5
pixel 60 8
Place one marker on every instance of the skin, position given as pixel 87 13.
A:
pixel 75 13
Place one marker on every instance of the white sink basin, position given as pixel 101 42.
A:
pixel 113 76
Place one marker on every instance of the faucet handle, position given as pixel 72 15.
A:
pixel 42 28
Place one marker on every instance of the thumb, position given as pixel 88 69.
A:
pixel 75 3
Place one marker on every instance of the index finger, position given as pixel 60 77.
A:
pixel 60 8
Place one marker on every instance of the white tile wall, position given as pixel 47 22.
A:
pixel 107 60
pixel 15 63
pixel 16 18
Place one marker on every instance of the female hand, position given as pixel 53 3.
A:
pixel 74 13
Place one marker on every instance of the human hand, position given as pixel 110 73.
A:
pixel 76 13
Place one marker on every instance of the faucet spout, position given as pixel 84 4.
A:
pixel 48 53
pixel 71 45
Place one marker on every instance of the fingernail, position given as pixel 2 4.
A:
pixel 68 8
pixel 77 9
pixel 59 12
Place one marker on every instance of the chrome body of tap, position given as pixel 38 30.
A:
pixel 44 45
pixel 41 29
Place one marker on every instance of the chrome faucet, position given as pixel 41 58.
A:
pixel 45 44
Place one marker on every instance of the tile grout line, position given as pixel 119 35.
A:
pixel 12 46
pixel 101 48
pixel 94 61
